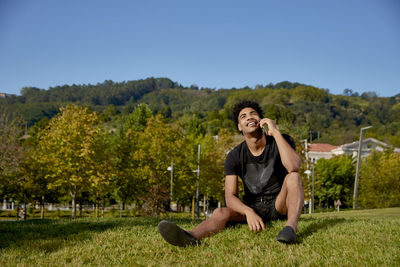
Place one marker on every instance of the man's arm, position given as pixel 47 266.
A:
pixel 232 201
pixel 289 157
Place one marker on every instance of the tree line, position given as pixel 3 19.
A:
pixel 313 112
pixel 83 156
pixel 77 157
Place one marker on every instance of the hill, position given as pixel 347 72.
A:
pixel 302 110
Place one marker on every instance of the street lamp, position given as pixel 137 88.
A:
pixel 358 165
pixel 171 169
pixel 308 172
pixel 312 192
pixel 198 181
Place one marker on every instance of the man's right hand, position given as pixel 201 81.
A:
pixel 254 221
pixel 232 201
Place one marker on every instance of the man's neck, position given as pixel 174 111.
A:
pixel 256 142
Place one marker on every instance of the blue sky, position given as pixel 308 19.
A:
pixel 217 44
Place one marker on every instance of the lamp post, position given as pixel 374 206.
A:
pixel 312 192
pixel 171 169
pixel 308 172
pixel 198 181
pixel 358 165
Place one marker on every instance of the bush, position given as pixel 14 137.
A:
pixel 155 201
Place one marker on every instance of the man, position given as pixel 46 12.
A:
pixel 268 165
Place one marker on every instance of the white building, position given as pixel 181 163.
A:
pixel 326 151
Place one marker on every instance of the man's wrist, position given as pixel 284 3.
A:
pixel 275 132
pixel 247 211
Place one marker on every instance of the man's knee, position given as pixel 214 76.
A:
pixel 221 214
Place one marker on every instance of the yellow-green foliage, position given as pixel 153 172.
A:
pixel 380 181
pixel 72 149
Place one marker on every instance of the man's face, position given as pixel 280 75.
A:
pixel 248 120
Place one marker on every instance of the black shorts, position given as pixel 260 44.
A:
pixel 266 210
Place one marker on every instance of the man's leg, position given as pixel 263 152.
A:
pixel 216 222
pixel 290 200
pixel 174 235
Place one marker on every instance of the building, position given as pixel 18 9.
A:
pixel 4 95
pixel 317 151
pixel 326 151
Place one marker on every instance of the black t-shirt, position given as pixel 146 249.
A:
pixel 262 175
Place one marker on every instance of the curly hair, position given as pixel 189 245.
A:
pixel 245 104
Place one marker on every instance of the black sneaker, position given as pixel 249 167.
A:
pixel 175 235
pixel 287 235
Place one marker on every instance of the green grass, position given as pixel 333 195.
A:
pixel 348 238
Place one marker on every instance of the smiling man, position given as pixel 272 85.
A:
pixel 268 165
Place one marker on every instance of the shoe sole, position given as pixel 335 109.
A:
pixel 286 241
pixel 175 235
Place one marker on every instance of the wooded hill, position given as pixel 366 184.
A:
pixel 301 110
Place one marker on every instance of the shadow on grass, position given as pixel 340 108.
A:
pixel 309 226
pixel 314 225
pixel 49 235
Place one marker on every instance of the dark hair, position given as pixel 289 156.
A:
pixel 245 104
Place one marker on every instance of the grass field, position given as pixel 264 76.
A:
pixel 347 238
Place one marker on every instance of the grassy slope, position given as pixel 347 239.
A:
pixel 370 237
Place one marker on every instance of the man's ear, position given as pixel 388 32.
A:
pixel 239 127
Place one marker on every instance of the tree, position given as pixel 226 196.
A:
pixel 334 180
pixel 122 147
pixel 10 144
pixel 11 151
pixel 71 147
pixel 101 185
pixel 212 175
pixel 192 125
pixel 108 113
pixel 137 120
pixel 33 183
pixel 309 93
pixel 159 145
pixel 278 113
pixel 379 185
